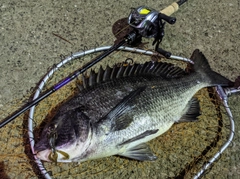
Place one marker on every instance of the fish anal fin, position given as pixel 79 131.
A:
pixel 141 152
pixel 191 112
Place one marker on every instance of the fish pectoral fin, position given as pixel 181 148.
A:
pixel 141 152
pixel 122 107
pixel 121 123
pixel 192 111
pixel 140 136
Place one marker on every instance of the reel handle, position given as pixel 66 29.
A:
pixel 169 19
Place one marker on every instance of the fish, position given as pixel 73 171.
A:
pixel 119 109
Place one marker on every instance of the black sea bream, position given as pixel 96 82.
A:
pixel 121 108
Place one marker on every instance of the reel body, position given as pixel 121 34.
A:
pixel 149 23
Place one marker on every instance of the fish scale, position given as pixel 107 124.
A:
pixel 119 109
pixel 157 119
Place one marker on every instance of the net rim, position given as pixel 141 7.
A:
pixel 124 48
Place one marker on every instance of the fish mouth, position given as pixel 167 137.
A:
pixel 44 155
pixel 49 156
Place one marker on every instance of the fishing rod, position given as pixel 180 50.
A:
pixel 146 22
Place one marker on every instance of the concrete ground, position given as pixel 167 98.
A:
pixel 29 47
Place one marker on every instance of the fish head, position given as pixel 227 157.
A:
pixel 64 138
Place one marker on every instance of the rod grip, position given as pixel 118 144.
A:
pixel 170 9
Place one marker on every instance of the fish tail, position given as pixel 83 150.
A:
pixel 202 67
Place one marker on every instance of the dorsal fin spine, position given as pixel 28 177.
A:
pixel 100 74
pixel 107 73
pixel 121 71
pixel 114 72
pixel 160 69
pixel 126 71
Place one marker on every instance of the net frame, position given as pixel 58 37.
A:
pixel 221 92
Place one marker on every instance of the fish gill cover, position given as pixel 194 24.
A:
pixel 181 151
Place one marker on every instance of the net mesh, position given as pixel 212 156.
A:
pixel 181 151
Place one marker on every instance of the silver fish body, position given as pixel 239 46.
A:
pixel 120 109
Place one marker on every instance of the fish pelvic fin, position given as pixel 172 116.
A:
pixel 141 152
pixel 191 112
pixel 202 67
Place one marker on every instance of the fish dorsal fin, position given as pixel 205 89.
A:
pixel 159 69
